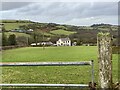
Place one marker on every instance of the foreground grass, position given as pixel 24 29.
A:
pixel 68 74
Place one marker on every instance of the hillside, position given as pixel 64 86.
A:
pixel 62 32
pixel 52 31
pixel 14 24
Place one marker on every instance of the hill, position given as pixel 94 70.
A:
pixel 15 21
pixel 53 31
pixel 14 24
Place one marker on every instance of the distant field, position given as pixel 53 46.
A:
pixel 70 74
pixel 62 32
pixel 10 26
pixel 45 33
pixel 62 27
pixel 17 34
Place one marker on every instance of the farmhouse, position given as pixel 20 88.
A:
pixel 64 42
pixel 30 30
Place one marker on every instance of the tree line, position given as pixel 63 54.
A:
pixel 11 40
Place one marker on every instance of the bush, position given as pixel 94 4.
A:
pixel 12 40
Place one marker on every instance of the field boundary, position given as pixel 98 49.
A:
pixel 82 63
pixel 12 47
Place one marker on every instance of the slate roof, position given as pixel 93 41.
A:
pixel 64 39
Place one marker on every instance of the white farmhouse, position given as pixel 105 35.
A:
pixel 64 42
pixel 30 30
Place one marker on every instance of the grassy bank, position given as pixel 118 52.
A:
pixel 68 74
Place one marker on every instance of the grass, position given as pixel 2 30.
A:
pixel 11 26
pixel 68 74
pixel 64 54
pixel 62 32
pixel 17 34
pixel 61 27
pixel 45 33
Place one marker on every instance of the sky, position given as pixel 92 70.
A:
pixel 72 13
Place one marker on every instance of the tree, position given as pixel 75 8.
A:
pixel 4 40
pixel 21 40
pixel 53 39
pixel 37 36
pixel 12 39
pixel 4 37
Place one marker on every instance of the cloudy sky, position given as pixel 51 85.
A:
pixel 73 13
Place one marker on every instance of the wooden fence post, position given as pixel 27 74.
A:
pixel 104 41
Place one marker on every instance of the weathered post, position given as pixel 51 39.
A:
pixel 104 41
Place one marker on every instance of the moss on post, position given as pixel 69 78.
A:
pixel 104 42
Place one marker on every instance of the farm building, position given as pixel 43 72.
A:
pixel 47 43
pixel 42 43
pixel 34 44
pixel 30 30
pixel 64 42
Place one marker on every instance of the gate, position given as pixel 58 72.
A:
pixel 82 63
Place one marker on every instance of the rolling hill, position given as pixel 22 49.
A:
pixel 53 31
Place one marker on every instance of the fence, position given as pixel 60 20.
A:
pixel 52 64
pixel 11 47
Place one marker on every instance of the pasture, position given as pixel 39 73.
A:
pixel 10 26
pixel 17 34
pixel 56 74
pixel 62 32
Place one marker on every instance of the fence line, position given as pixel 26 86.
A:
pixel 82 63
pixel 48 85
pixel 45 63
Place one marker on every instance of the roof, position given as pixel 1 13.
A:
pixel 64 39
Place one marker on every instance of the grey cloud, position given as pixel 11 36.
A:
pixel 103 8
pixel 13 5
pixel 73 9
pixel 56 10
pixel 62 12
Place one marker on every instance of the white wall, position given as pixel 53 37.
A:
pixel 61 43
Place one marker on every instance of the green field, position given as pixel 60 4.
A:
pixel 17 34
pixel 10 26
pixel 68 74
pixel 62 32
